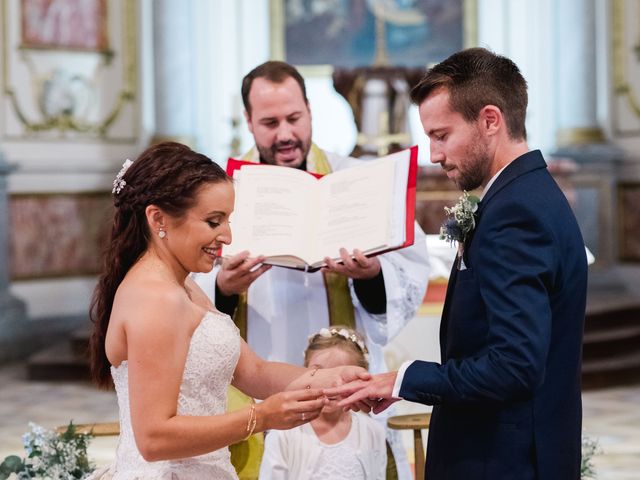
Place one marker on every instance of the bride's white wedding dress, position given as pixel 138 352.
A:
pixel 211 361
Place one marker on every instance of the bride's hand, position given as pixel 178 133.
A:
pixel 289 409
pixel 332 377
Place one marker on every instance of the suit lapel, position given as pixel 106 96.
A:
pixel 444 321
pixel 525 163
pixel 528 162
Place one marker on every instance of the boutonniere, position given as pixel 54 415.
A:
pixel 460 221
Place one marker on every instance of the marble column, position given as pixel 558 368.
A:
pixel 12 310
pixel 576 73
pixel 174 66
pixel 578 136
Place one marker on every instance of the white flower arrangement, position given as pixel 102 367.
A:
pixel 50 456
pixel 590 449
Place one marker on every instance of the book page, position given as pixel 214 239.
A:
pixel 271 211
pixel 355 208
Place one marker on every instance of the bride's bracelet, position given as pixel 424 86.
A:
pixel 251 423
pixel 315 370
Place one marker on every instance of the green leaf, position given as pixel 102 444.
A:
pixel 11 464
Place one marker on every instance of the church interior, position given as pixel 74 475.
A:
pixel 86 84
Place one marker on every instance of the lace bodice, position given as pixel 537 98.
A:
pixel 211 361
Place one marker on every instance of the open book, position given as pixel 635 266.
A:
pixel 296 219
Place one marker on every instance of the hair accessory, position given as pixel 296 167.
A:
pixel 119 183
pixel 162 233
pixel 326 333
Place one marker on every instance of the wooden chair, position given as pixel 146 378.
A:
pixel 416 422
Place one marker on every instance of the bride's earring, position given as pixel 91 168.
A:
pixel 162 233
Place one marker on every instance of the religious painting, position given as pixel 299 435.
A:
pixel 629 222
pixel 353 33
pixel 64 24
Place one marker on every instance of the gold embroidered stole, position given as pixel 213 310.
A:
pixel 339 304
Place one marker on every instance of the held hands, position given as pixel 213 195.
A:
pixel 290 409
pixel 372 395
pixel 336 376
pixel 358 267
pixel 329 377
pixel 239 272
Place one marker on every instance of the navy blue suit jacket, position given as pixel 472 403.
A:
pixel 507 393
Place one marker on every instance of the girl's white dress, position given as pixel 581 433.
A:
pixel 298 453
pixel 211 361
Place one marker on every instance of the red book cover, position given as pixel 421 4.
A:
pixel 234 164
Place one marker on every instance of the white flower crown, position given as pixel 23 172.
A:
pixel 119 183
pixel 329 332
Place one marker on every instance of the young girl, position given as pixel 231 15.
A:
pixel 337 444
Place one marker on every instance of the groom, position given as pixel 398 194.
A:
pixel 506 395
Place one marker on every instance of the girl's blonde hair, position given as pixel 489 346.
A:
pixel 348 339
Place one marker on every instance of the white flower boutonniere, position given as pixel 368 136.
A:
pixel 460 221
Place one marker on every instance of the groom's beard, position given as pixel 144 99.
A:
pixel 477 165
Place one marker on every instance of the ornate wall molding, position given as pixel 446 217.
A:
pixel 58 91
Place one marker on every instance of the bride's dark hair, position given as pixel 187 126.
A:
pixel 167 175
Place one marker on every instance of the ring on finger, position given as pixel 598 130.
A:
pixel 302 416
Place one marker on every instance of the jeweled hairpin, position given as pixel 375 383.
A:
pixel 119 183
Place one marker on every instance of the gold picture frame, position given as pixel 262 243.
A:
pixel 626 87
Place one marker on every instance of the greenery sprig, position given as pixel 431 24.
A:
pixel 50 456
pixel 460 219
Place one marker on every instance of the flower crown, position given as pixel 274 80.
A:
pixel 344 333
pixel 119 183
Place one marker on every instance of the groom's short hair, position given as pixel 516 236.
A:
pixel 477 77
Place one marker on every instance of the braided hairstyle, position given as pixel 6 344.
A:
pixel 167 175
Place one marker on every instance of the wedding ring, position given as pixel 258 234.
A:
pixel 302 416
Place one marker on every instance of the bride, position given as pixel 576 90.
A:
pixel 157 336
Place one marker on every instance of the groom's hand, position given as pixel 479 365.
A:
pixel 376 393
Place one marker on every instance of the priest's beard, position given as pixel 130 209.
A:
pixel 477 166
pixel 268 153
